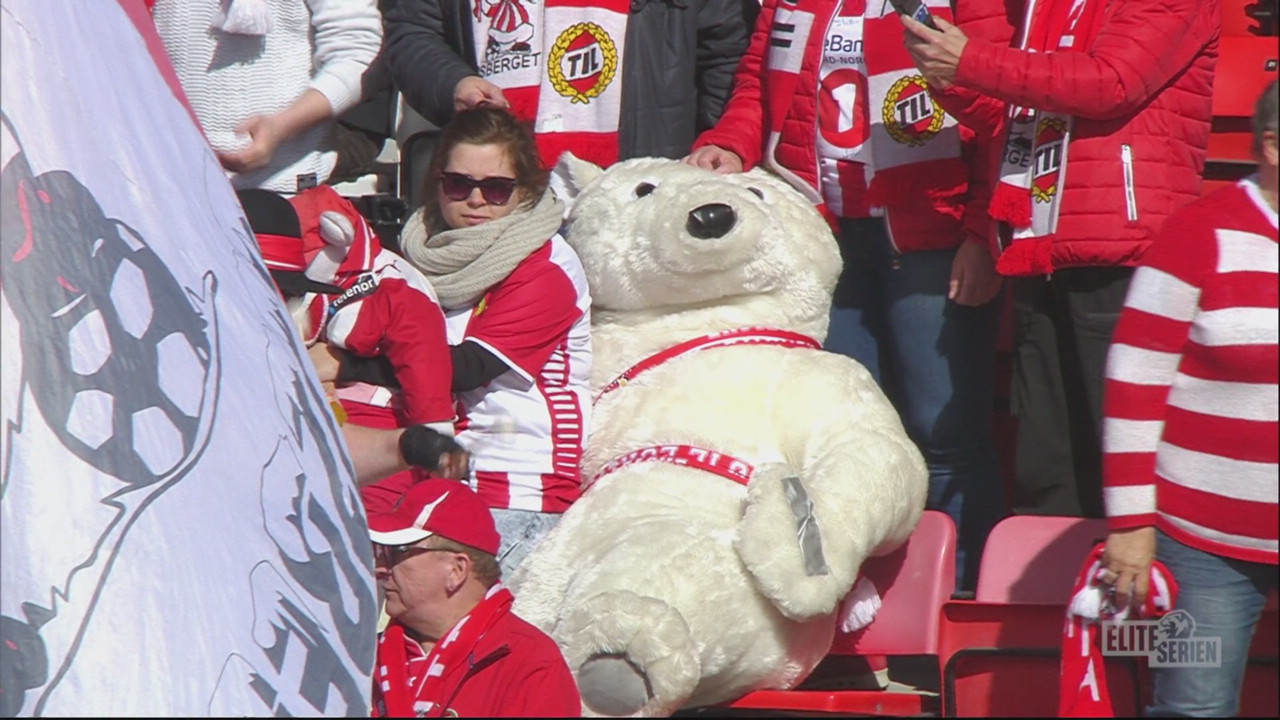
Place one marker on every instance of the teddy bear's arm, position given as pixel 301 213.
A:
pixel 809 524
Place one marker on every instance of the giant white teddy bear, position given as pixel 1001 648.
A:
pixel 739 474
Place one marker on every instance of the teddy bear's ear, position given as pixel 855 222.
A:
pixel 571 174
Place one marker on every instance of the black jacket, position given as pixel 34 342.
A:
pixel 681 56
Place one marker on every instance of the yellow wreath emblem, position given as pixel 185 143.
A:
pixel 561 46
pixel 1045 195
pixel 1055 123
pixel 897 130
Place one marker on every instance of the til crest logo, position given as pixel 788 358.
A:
pixel 910 116
pixel 1051 132
pixel 1170 641
pixel 582 62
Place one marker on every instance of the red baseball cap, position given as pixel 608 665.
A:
pixel 441 507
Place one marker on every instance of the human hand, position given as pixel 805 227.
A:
pixel 974 280
pixel 327 360
pixel 474 91
pixel 935 52
pixel 1127 563
pixel 715 159
pixel 265 135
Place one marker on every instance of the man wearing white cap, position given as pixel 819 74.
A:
pixel 453 646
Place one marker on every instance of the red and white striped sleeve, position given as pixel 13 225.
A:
pixel 1146 351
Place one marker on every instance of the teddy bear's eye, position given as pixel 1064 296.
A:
pixel 757 192
pixel 644 189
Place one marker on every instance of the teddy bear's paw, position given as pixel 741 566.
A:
pixel 860 606
pixel 612 686
pixel 783 547
pixel 631 655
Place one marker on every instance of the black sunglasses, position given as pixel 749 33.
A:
pixel 496 190
pixel 388 556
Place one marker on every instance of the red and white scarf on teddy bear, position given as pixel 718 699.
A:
pixel 1034 168
pixel 559 64
pixel 1083 682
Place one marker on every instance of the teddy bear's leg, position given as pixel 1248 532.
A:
pixel 799 557
pixel 632 655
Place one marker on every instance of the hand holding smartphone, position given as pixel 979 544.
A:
pixel 916 10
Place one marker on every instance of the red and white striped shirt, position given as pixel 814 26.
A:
pixel 1190 432
pixel 526 428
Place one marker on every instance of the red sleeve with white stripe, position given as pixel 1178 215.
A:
pixel 1146 351
pixel 402 323
pixel 528 315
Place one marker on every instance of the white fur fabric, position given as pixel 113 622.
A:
pixel 694 579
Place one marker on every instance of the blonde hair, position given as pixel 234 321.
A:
pixel 484 566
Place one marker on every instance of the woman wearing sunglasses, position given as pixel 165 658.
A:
pixel 518 315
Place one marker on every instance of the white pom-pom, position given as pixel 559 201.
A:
pixel 860 606
pixel 1088 602
pixel 338 233
pixel 336 229
pixel 243 17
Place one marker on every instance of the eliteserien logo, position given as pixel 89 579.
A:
pixel 1167 642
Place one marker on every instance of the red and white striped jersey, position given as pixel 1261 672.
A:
pixel 526 428
pixel 1190 432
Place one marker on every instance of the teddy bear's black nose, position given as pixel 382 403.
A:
pixel 711 221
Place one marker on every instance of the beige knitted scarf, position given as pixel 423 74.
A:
pixel 463 263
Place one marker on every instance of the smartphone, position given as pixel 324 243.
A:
pixel 916 10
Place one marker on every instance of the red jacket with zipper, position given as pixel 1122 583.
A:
pixel 772 119
pixel 1141 96
pixel 515 670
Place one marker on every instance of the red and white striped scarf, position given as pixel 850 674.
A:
pixel 1034 167
pixel 1083 681
pixel 914 144
pixel 559 64
pixel 408 684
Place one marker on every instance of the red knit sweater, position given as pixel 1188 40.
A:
pixel 1191 398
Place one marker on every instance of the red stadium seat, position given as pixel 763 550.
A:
pixel 1241 76
pixel 913 582
pixel 1247 18
pixel 1002 660
pixel 1001 651
pixel 1035 558
pixel 1247 61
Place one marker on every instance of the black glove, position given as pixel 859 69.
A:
pixel 423 447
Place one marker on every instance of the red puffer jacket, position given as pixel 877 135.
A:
pixel 1145 84
pixel 772 120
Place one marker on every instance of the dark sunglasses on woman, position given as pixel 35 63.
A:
pixel 496 190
